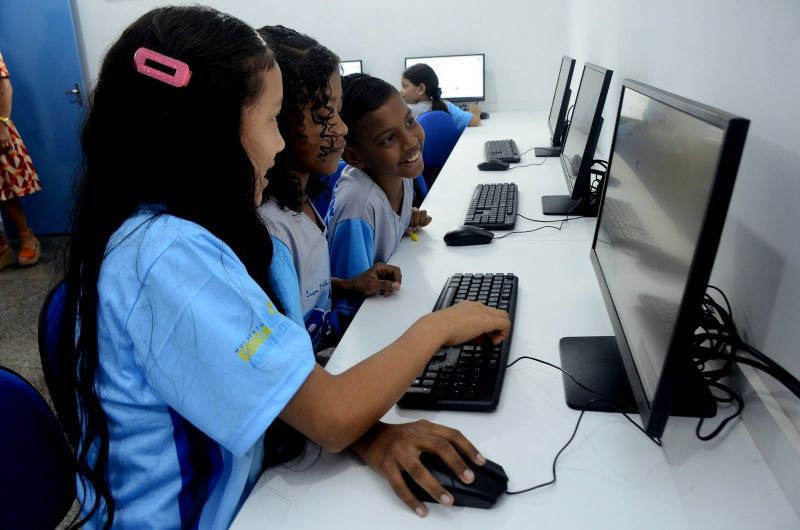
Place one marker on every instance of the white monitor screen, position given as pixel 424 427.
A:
pixel 460 76
pixel 351 67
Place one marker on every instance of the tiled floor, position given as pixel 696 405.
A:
pixel 22 291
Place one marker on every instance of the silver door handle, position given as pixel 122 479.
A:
pixel 77 92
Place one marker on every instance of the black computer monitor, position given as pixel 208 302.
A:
pixel 671 176
pixel 580 143
pixel 351 67
pixel 461 77
pixel 557 119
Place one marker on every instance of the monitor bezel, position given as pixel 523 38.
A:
pixel 359 61
pixel 582 180
pixel 483 76
pixel 655 415
pixel 557 135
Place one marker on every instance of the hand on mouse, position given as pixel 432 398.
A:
pixel 391 449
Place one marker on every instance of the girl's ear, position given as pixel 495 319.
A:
pixel 421 88
pixel 353 157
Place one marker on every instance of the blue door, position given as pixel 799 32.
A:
pixel 37 39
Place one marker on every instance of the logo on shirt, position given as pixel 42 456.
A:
pixel 313 292
pixel 257 338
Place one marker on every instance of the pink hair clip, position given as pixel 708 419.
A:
pixel 178 79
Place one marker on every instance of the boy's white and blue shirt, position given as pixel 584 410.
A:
pixel 460 117
pixel 363 228
pixel 194 364
pixel 300 273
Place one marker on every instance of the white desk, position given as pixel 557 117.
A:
pixel 610 477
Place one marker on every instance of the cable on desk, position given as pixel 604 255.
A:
pixel 531 164
pixel 561 224
pixel 603 398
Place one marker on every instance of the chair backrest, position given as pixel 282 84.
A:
pixel 51 352
pixel 420 189
pixel 37 475
pixel 441 135
pixel 322 199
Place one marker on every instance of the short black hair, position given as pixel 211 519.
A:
pixel 362 94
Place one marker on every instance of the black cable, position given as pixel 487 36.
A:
pixel 607 399
pixel 549 220
pixel 531 164
pixel 561 224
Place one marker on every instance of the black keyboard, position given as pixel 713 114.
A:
pixel 505 150
pixel 466 377
pixel 493 206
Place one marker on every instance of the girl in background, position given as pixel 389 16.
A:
pixel 420 89
pixel 18 178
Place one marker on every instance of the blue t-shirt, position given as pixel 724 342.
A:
pixel 194 364
pixel 363 229
pixel 460 117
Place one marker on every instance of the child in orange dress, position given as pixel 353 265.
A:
pixel 17 178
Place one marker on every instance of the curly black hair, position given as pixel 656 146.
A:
pixel 306 66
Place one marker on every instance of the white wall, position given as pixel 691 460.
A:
pixel 743 57
pixel 382 33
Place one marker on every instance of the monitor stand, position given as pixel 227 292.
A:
pixel 547 151
pixel 564 205
pixel 596 363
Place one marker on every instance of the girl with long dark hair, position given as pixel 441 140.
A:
pixel 182 357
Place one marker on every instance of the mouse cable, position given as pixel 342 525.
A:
pixel 566 219
pixel 560 225
pixel 603 398
pixel 531 164
pixel 527 151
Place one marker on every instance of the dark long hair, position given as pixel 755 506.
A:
pixel 147 142
pixel 422 73
pixel 362 94
pixel 306 66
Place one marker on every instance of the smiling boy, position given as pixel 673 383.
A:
pixel 371 209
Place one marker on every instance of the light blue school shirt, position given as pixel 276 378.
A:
pixel 363 229
pixel 460 117
pixel 194 364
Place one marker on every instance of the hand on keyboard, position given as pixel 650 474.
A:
pixel 466 321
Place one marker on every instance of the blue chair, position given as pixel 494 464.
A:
pixel 441 136
pixel 322 199
pixel 420 189
pixel 37 474
pixel 51 318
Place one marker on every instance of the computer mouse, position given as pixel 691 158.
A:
pixel 467 235
pixel 490 482
pixel 493 164
pixel 485 115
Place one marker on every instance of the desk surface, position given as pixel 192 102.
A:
pixel 611 475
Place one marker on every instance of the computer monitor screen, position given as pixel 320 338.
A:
pixel 670 179
pixel 579 146
pixel 461 77
pixel 560 104
pixel 351 67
